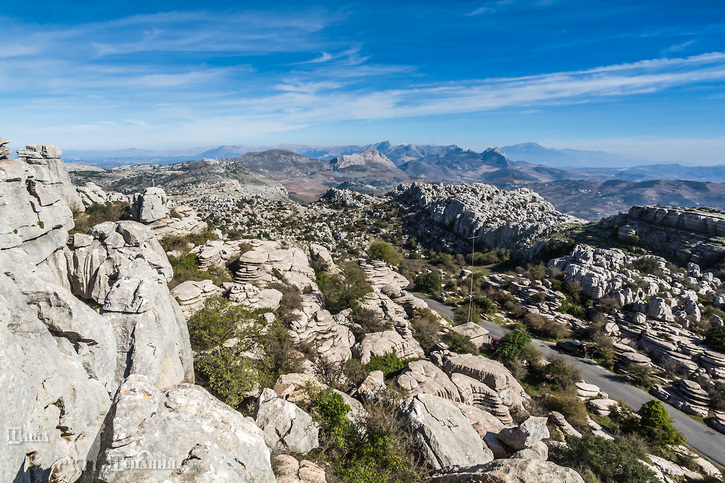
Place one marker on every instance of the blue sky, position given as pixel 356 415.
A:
pixel 642 78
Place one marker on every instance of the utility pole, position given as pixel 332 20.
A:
pixel 470 293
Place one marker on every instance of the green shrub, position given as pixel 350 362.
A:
pixel 428 282
pixel 98 213
pixel 485 304
pixel 655 424
pixel 539 325
pixel 569 405
pixel 640 375
pixel 227 375
pixel 715 338
pixel 425 328
pixel 460 315
pixel 512 345
pixel 459 343
pixel 385 252
pixel 560 374
pixel 381 451
pixel 612 461
pixel 389 363
pixel 186 267
pixel 291 302
pixel 648 265
pixel 340 293
pixel 368 319
pixel 574 309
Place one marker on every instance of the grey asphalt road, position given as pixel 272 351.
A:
pixel 703 438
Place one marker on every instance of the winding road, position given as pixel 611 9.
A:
pixel 703 438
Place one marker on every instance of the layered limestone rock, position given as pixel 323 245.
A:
pixel 92 194
pixel 370 158
pixel 443 434
pixel 268 260
pixel 182 220
pixel 424 377
pixel 349 198
pixel 151 205
pixel 524 468
pixel 526 435
pixel 491 373
pixel 51 174
pixel 386 342
pixel 597 270
pixel 498 218
pixel 477 393
pixel 4 150
pixel 191 295
pixel 121 267
pixel 156 436
pixel 687 234
pixel 487 426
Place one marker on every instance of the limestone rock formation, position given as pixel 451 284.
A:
pixel 288 470
pixel 370 158
pixel 180 434
pixel 526 435
pixel 149 206
pixel 512 470
pixel 381 343
pixel 91 193
pixel 4 150
pixel 444 435
pixel 122 267
pixel 489 372
pixel 50 174
pixel 287 428
pixel 498 218
pixel 687 234
pixel 423 377
pixel 192 294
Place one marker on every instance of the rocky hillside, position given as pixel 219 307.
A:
pixel 191 178
pixel 497 218
pixel 684 235
pixel 593 200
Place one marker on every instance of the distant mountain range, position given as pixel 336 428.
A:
pixel 587 192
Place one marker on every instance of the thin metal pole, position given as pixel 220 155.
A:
pixel 470 293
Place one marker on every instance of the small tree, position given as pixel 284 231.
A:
pixel 655 424
pixel 512 344
pixel 385 252
pixel 428 282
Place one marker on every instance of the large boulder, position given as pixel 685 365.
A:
pixel 424 377
pixel 526 435
pixel 287 428
pixel 443 434
pixel 149 206
pixel 381 343
pixel 181 434
pixel 490 372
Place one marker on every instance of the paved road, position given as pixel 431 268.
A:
pixel 703 438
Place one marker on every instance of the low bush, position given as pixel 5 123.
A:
pixel 384 251
pixel 291 302
pixel 655 424
pixel 459 343
pixel 380 451
pixel 715 338
pixel 560 374
pixel 610 461
pixel 512 345
pixel 344 292
pixel 485 304
pixel 539 325
pixel 368 319
pixel 98 213
pixel 461 315
pixel 569 405
pixel 425 328
pixel 389 363
pixel 641 375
